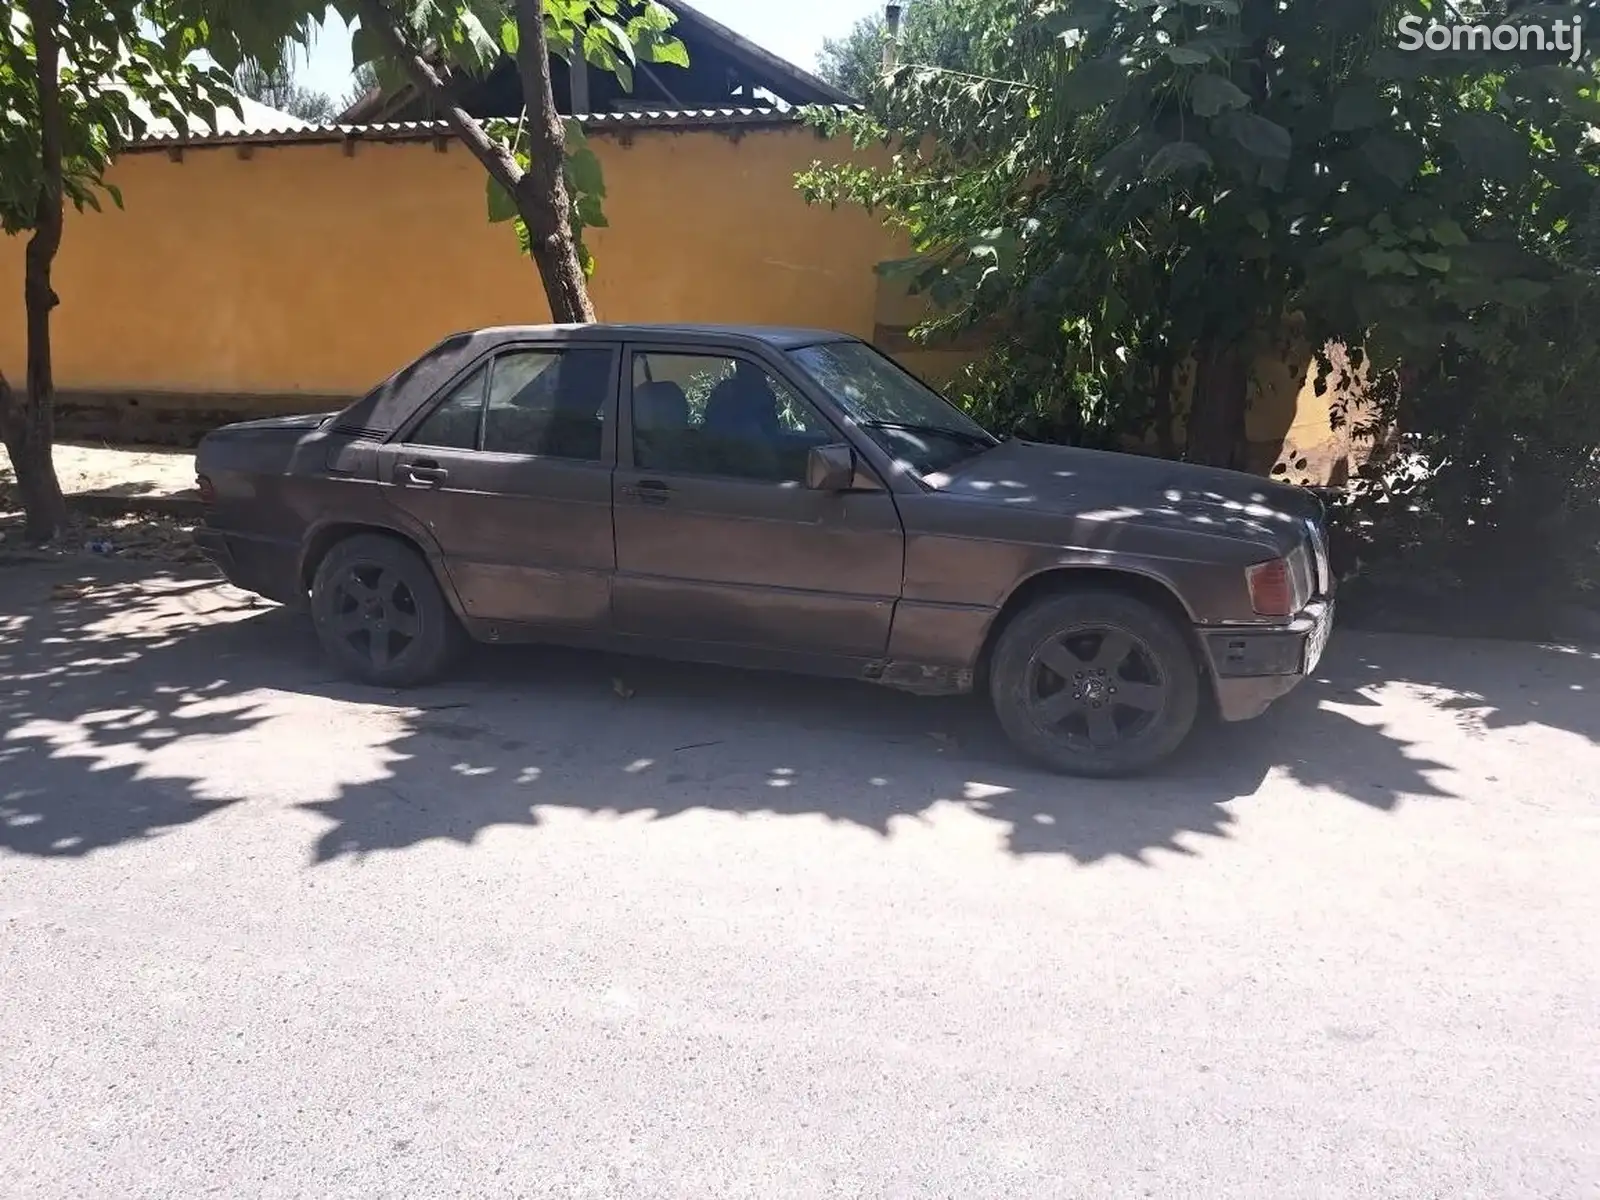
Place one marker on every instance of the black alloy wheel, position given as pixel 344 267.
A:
pixel 1095 682
pixel 380 613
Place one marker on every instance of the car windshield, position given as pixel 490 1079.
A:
pixel 902 414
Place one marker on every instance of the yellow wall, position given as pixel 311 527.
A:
pixel 300 269
pixel 239 282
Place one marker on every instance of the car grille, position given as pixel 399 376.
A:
pixel 360 432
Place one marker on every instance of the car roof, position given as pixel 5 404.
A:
pixel 393 402
pixel 779 337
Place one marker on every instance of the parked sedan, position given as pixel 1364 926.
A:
pixel 777 498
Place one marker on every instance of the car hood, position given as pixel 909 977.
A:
pixel 1133 488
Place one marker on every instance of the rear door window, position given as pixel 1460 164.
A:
pixel 453 425
pixel 549 402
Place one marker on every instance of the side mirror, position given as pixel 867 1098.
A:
pixel 831 468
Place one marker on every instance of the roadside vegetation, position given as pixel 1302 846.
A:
pixel 1124 192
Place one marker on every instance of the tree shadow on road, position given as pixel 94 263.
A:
pixel 129 701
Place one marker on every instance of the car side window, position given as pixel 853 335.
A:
pixel 453 425
pixel 549 403
pixel 715 414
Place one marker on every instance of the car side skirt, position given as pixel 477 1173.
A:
pixel 919 678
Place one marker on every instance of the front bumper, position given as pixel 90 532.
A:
pixel 1253 667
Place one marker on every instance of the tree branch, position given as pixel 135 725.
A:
pixel 496 158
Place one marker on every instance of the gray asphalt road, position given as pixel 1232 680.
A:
pixel 263 934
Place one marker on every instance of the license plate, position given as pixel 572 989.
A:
pixel 1318 641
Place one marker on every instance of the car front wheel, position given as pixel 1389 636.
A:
pixel 380 614
pixel 1095 683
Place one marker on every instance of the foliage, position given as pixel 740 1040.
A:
pixel 117 71
pixel 616 40
pixel 932 33
pixel 612 35
pixel 586 186
pixel 1132 185
pixel 1123 188
pixel 279 90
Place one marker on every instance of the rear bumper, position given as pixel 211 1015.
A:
pixel 260 565
pixel 1252 668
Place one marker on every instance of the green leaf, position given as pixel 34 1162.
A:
pixel 1085 17
pixel 1176 156
pixel 1211 94
pixel 501 206
pixel 1448 233
pixel 589 211
pixel 1488 145
pixel 1395 157
pixel 667 51
pixel 1261 137
pixel 1096 82
pixel 510 36
pixel 1377 261
pixel 1357 107
pixel 1185 56
pixel 364 46
pixel 584 169
pixel 1433 261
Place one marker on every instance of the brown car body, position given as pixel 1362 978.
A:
pixel 885 576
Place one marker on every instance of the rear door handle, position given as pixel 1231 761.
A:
pixel 422 474
pixel 648 491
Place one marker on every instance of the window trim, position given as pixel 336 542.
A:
pixel 437 402
pixel 736 354
pixel 610 404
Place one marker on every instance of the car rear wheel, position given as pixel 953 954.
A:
pixel 1095 683
pixel 380 614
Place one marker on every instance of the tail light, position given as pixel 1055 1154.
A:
pixel 207 490
pixel 1271 589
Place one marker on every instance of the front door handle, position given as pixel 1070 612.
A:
pixel 422 474
pixel 648 491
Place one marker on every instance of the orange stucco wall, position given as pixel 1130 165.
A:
pixel 302 270
pixel 238 282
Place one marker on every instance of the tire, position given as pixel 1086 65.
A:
pixel 1094 683
pixel 372 591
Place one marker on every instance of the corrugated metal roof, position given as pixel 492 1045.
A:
pixel 251 117
pixel 406 131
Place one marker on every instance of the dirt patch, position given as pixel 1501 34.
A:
pixel 136 538
pixel 102 470
pixel 96 479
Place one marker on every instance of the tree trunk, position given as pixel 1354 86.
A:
pixel 542 198
pixel 540 193
pixel 1216 415
pixel 29 428
pixel 1166 441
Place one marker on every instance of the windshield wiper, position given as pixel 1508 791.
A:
pixel 960 435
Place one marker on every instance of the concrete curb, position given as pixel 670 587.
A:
pixel 99 504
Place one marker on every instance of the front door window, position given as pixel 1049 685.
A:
pixel 720 416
